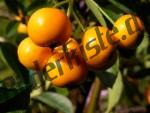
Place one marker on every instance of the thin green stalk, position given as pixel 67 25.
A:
pixel 104 13
pixel 54 1
pixel 70 8
pixel 60 3
pixel 93 96
pixel 78 20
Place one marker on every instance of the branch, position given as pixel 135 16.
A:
pixel 92 98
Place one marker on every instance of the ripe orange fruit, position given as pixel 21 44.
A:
pixel 111 60
pixel 129 28
pixel 28 53
pixel 22 28
pixel 49 25
pixel 60 72
pixel 71 44
pixel 97 49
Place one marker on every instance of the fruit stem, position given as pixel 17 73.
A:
pixel 78 20
pixel 60 3
pixel 70 8
pixel 93 96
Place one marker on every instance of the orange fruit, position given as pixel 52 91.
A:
pixel 129 28
pixel 111 60
pixel 97 49
pixel 22 28
pixel 73 69
pixel 71 44
pixel 29 53
pixel 60 73
pixel 49 25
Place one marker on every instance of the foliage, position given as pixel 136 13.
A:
pixel 126 81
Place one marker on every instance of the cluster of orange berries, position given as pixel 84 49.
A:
pixel 49 30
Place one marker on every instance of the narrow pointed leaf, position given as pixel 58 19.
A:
pixel 115 93
pixel 95 10
pixel 56 101
pixel 120 6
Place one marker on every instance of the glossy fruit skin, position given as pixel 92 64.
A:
pixel 131 39
pixel 74 75
pixel 71 44
pixel 69 76
pixel 111 60
pixel 100 60
pixel 49 25
pixel 22 28
pixel 28 53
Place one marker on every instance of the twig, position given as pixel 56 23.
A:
pixel 60 3
pixel 70 8
pixel 6 15
pixel 78 20
pixel 91 101
pixel 104 13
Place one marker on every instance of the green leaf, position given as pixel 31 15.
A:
pixel 18 111
pixel 11 29
pixel 5 73
pixel 4 23
pixel 95 10
pixel 6 94
pixel 120 6
pixel 93 95
pixel 57 101
pixel 15 6
pixel 9 52
pixel 106 78
pixel 115 67
pixel 111 13
pixel 142 48
pixel 62 91
pixel 115 93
